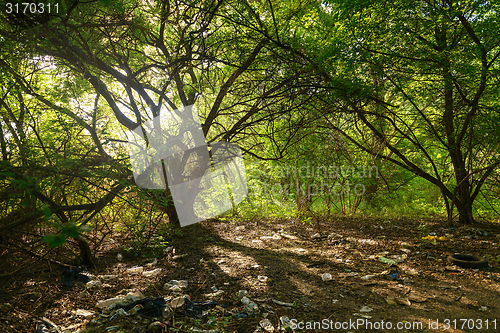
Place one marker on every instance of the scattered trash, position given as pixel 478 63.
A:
pixel 403 301
pixel 42 329
pixel 368 277
pixel 365 309
pixel 93 283
pixel 155 326
pixel 153 263
pixel 49 323
pixel 285 324
pixel 399 258
pixel 194 329
pixel 119 257
pixel 147 306
pixel 266 325
pixel 215 294
pixel 249 307
pixel 391 300
pixel 262 278
pixel 240 316
pixel 483 308
pixel 242 293
pixel 434 238
pixel 326 277
pixel 179 256
pixel 394 274
pixel 411 272
pixel 152 273
pixel 199 309
pixel 110 303
pixel 112 328
pixel 177 302
pixel 467 261
pixel 176 285
pixel 75 275
pixel 407 246
pixel 83 313
pixel 135 270
pixel 273 237
pixel 386 260
pixel 480 232
pixel 317 237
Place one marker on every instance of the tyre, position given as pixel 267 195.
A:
pixel 467 261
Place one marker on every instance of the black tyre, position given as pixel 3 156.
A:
pixel 467 261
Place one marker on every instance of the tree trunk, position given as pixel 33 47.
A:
pixel 85 253
pixel 170 210
pixel 465 201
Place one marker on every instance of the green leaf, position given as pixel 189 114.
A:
pixel 54 240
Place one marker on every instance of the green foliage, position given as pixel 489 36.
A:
pixel 70 229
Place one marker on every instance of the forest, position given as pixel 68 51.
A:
pixel 249 166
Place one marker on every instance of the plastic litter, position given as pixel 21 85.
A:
pixel 266 325
pixel 386 260
pixel 75 275
pixel 154 272
pixel 391 300
pixel 365 309
pixel 249 307
pixel 285 324
pixel 135 270
pixel 199 309
pixel 242 293
pixel 93 283
pixel 155 326
pixel 83 313
pixel 262 278
pixel 434 238
pixel 178 302
pixel 394 274
pixel 176 285
pixel 148 306
pixel 326 277
pixel 368 277
pixel 42 329
pixel 215 294
pixel 240 316
pixel 110 303
pixel 411 272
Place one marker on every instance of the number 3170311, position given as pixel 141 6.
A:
pixel 31 8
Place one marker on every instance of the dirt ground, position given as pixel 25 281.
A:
pixel 282 265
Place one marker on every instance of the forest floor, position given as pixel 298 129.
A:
pixel 281 264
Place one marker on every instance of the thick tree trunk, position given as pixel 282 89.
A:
pixel 170 210
pixel 85 253
pixel 464 203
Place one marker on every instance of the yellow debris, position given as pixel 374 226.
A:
pixel 435 238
